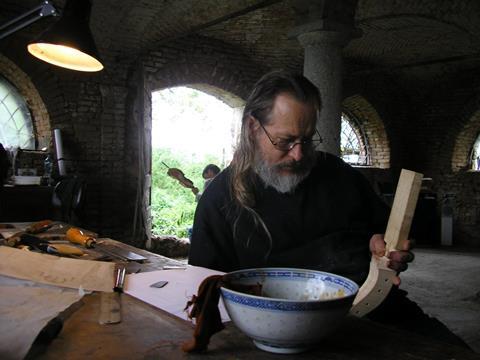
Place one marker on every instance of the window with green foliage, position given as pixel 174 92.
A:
pixel 173 205
pixel 190 129
pixel 353 143
pixel 16 128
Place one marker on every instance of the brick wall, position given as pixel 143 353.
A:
pixel 208 65
pixel 448 126
pixel 373 129
pixel 104 118
pixel 432 135
pixel 89 109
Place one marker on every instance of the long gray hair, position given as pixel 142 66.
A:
pixel 259 105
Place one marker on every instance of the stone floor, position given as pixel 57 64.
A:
pixel 446 284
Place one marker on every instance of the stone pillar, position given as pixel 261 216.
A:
pixel 323 66
pixel 325 27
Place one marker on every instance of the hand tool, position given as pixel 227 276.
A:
pixel 34 242
pixel 39 226
pixel 110 303
pixel 77 236
pixel 34 228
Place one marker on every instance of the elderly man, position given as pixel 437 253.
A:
pixel 281 203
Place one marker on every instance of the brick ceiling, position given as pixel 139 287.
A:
pixel 412 40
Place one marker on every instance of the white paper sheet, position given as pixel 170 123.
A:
pixel 182 284
pixel 25 308
pixel 57 271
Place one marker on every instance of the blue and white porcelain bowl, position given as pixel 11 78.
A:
pixel 297 307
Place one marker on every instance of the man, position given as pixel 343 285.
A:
pixel 208 173
pixel 280 203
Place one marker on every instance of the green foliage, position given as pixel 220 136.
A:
pixel 173 206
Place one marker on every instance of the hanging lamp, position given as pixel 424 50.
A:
pixel 69 42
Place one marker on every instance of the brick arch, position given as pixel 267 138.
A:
pixel 40 116
pixel 464 143
pixel 200 60
pixel 373 128
pixel 209 78
pixel 213 79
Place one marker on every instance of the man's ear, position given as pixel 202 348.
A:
pixel 253 125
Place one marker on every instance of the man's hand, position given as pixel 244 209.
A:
pixel 399 259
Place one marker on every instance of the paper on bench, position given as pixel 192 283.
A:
pixel 59 271
pixel 173 297
pixel 25 308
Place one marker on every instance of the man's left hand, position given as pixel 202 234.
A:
pixel 398 259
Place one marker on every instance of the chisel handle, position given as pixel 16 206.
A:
pixel 77 236
pixel 39 226
pixel 63 249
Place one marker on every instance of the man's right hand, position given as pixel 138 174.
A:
pixel 398 259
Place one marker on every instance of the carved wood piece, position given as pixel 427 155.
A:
pixel 379 281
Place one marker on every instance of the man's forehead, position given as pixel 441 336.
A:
pixel 287 111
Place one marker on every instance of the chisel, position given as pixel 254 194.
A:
pixel 110 303
pixel 77 236
pixel 31 241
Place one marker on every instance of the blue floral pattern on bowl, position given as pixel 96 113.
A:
pixel 297 307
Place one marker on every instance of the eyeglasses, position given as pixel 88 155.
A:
pixel 287 145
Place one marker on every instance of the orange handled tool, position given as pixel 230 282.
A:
pixel 77 236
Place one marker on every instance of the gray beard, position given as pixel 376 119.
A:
pixel 283 183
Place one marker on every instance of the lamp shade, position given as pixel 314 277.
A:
pixel 69 43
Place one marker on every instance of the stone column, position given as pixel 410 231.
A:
pixel 323 67
pixel 325 27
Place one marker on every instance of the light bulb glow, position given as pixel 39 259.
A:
pixel 65 56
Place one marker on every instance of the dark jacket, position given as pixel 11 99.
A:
pixel 325 224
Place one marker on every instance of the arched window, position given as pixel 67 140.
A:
pixel 16 128
pixel 475 155
pixel 353 142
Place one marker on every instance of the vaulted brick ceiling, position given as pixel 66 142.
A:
pixel 412 40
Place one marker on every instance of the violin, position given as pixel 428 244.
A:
pixel 178 175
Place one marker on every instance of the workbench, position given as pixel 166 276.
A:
pixel 149 333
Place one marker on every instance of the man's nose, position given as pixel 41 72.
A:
pixel 296 152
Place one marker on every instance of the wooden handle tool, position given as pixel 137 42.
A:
pixel 379 280
pixel 39 226
pixel 77 236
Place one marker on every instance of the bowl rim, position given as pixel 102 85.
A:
pixel 290 300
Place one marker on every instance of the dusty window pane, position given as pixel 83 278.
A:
pixel 16 129
pixel 353 147
pixel 475 158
